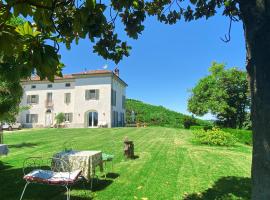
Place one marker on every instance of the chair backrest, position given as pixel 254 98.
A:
pixel 53 164
pixel 32 163
pixel 60 165
pixel 70 145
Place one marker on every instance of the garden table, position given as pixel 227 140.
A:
pixel 86 161
pixel 3 149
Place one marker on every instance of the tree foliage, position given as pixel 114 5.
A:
pixel 224 93
pixel 60 118
pixel 10 97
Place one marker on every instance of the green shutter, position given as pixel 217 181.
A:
pixel 27 118
pixel 97 94
pixel 71 117
pixel 86 95
pixel 28 99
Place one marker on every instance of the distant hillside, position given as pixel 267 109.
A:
pixel 155 115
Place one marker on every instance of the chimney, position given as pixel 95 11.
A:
pixel 116 71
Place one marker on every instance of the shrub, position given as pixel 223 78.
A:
pixel 207 127
pixel 242 136
pixel 196 127
pixel 214 137
pixel 188 122
pixel 60 118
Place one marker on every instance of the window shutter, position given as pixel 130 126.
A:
pixel 114 98
pixel 69 97
pixel 27 118
pixel 86 95
pixel 111 96
pixel 28 98
pixel 70 117
pixel 97 94
pixel 37 98
pixel 36 118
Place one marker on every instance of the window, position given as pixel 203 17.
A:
pixel 32 99
pixel 31 118
pixel 115 118
pixel 122 119
pixel 68 117
pixel 49 97
pixel 49 86
pixel 67 98
pixel 67 85
pixel 33 86
pixel 92 94
pixel 123 102
pixel 113 97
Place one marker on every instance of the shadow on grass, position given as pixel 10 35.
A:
pixel 12 183
pixel 112 175
pixel 225 188
pixel 4 166
pixel 135 157
pixel 22 145
pixel 101 184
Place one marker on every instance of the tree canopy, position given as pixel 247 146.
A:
pixel 224 93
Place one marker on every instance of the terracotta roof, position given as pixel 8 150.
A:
pixel 71 76
pixel 94 72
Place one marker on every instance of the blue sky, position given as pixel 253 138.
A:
pixel 166 61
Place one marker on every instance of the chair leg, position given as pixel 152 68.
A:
pixel 68 192
pixel 84 187
pixel 105 169
pixel 91 183
pixel 112 165
pixel 27 183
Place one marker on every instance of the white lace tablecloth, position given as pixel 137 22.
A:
pixel 87 161
pixel 3 149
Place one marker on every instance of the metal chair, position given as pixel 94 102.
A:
pixel 107 158
pixel 52 171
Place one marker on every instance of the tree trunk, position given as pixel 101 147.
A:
pixel 1 135
pixel 255 14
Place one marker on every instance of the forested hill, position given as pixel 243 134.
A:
pixel 155 115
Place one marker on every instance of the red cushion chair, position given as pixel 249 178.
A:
pixel 39 173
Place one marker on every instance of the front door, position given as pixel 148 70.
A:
pixel 92 119
pixel 48 119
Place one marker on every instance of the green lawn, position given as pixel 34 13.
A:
pixel 168 166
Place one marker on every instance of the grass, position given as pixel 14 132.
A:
pixel 168 167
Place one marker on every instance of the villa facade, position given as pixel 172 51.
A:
pixel 89 99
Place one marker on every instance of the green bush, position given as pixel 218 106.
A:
pixel 188 122
pixel 199 127
pixel 214 137
pixel 207 127
pixel 242 136
pixel 60 118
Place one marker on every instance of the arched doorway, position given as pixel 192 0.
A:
pixel 48 118
pixel 92 118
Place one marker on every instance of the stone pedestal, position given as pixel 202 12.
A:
pixel 128 149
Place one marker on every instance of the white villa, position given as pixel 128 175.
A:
pixel 89 99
